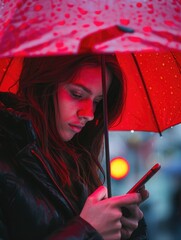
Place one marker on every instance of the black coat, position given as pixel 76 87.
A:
pixel 32 205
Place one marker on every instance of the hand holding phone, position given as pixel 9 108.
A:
pixel 145 178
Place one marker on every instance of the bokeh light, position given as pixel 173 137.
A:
pixel 119 168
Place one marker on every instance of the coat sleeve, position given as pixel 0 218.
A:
pixel 77 229
pixel 3 230
pixel 81 230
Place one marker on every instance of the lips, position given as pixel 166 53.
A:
pixel 76 128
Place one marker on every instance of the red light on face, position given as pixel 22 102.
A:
pixel 119 168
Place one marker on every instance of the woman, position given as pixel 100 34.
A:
pixel 51 136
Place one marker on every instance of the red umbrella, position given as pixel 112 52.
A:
pixel 29 28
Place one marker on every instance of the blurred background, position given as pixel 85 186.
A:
pixel 132 154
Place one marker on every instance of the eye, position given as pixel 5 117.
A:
pixel 96 101
pixel 76 94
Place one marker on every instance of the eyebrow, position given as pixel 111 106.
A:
pixel 83 87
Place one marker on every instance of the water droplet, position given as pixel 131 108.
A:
pixel 97 12
pixel 85 25
pixel 97 23
pixel 139 4
pixel 67 15
pixel 82 11
pixel 124 21
pixel 61 23
pixel 38 7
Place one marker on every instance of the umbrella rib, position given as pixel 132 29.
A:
pixel 5 72
pixel 105 113
pixel 177 63
pixel 146 91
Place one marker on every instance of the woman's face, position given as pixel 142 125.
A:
pixel 77 101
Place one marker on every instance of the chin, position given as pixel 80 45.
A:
pixel 67 137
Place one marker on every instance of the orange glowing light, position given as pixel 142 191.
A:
pixel 119 168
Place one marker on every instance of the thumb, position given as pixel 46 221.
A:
pixel 99 194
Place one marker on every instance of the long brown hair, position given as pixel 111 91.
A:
pixel 38 85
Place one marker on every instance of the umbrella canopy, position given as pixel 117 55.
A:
pixel 33 28
pixel 70 26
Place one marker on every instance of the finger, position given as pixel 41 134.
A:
pixel 127 199
pixel 99 194
pixel 128 227
pixel 129 223
pixel 132 211
pixel 143 187
pixel 126 232
pixel 144 193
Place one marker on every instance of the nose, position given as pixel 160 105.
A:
pixel 86 111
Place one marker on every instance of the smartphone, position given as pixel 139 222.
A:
pixel 145 178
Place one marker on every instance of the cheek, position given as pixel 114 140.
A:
pixel 66 106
